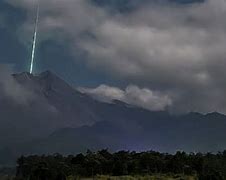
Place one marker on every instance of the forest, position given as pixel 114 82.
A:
pixel 206 166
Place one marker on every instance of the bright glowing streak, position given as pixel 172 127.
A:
pixel 34 40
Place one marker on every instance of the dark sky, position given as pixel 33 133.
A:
pixel 158 53
pixel 52 55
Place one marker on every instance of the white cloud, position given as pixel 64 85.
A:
pixel 133 95
pixel 104 93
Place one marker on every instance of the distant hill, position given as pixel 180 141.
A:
pixel 59 118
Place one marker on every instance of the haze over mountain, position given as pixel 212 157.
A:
pixel 54 117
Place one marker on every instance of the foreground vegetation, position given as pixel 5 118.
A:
pixel 122 165
pixel 147 177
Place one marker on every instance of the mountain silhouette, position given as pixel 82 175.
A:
pixel 57 118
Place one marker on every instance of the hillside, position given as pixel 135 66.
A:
pixel 58 118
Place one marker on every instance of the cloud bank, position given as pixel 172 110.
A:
pixel 133 95
pixel 175 49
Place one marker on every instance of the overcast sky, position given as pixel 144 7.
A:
pixel 155 54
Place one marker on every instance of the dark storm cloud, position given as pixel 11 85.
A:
pixel 176 49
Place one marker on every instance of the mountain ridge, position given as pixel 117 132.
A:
pixel 60 119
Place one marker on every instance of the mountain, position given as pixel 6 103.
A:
pixel 39 105
pixel 46 115
pixel 190 133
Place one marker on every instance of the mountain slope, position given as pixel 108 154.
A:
pixel 40 105
pixel 44 103
pixel 191 133
pixel 54 117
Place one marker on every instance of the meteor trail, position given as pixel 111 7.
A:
pixel 34 40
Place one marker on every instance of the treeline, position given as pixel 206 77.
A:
pixel 57 167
